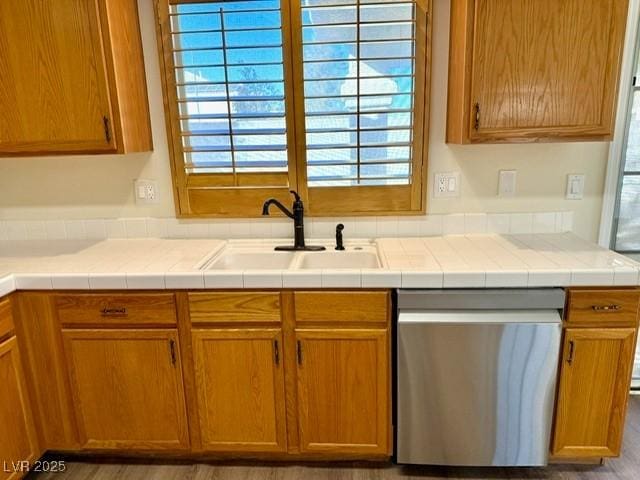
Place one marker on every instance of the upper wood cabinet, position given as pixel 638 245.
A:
pixel 127 388
pixel 17 435
pixel 72 78
pixel 534 70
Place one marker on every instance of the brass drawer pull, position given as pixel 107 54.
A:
pixel 114 312
pixel 606 308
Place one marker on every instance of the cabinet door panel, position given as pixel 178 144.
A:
pixel 51 60
pixel 545 67
pixel 594 388
pixel 17 434
pixel 127 388
pixel 343 390
pixel 240 385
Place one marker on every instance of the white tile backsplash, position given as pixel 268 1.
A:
pixel 498 223
pixel 319 227
pixel 75 229
pixel 475 223
pixel 36 230
pixel 56 230
pixel 521 223
pixel 544 222
pixel 135 227
pixel 15 230
pixel 453 224
pixel 96 229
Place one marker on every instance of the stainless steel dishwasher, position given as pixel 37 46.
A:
pixel 476 375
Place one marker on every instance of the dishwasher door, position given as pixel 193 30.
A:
pixel 476 387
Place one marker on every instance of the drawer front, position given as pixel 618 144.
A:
pixel 105 309
pixel 6 318
pixel 235 307
pixel 340 306
pixel 603 307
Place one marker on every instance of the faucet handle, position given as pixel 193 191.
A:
pixel 295 194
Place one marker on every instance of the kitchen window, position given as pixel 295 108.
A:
pixel 326 97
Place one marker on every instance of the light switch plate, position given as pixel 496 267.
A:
pixel 145 191
pixel 446 184
pixel 575 186
pixel 507 183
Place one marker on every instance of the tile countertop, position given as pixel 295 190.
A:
pixel 452 261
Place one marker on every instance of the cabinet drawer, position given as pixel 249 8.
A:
pixel 106 309
pixel 603 307
pixel 340 306
pixel 6 319
pixel 235 307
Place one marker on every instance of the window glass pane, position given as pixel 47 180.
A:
pixel 628 238
pixel 230 85
pixel 632 154
pixel 359 74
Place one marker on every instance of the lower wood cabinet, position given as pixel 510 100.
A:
pixel 127 388
pixel 17 434
pixel 285 374
pixel 594 388
pixel 343 390
pixel 239 377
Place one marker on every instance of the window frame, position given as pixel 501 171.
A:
pixel 236 195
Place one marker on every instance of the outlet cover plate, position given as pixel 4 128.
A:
pixel 145 191
pixel 446 184
pixel 507 183
pixel 575 186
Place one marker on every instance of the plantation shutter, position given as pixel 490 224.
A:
pixel 231 107
pixel 363 103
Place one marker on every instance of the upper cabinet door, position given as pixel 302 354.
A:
pixel 531 70
pixel 72 78
pixel 53 78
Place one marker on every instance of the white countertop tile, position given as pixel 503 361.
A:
pixel 302 279
pixel 145 281
pixel 262 278
pixel 341 278
pixel 222 279
pixel 450 261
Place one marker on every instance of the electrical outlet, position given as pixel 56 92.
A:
pixel 145 191
pixel 446 184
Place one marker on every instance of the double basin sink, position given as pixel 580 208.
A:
pixel 263 257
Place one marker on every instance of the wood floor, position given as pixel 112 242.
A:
pixel 625 468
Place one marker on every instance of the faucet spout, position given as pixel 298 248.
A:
pixel 273 201
pixel 297 215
